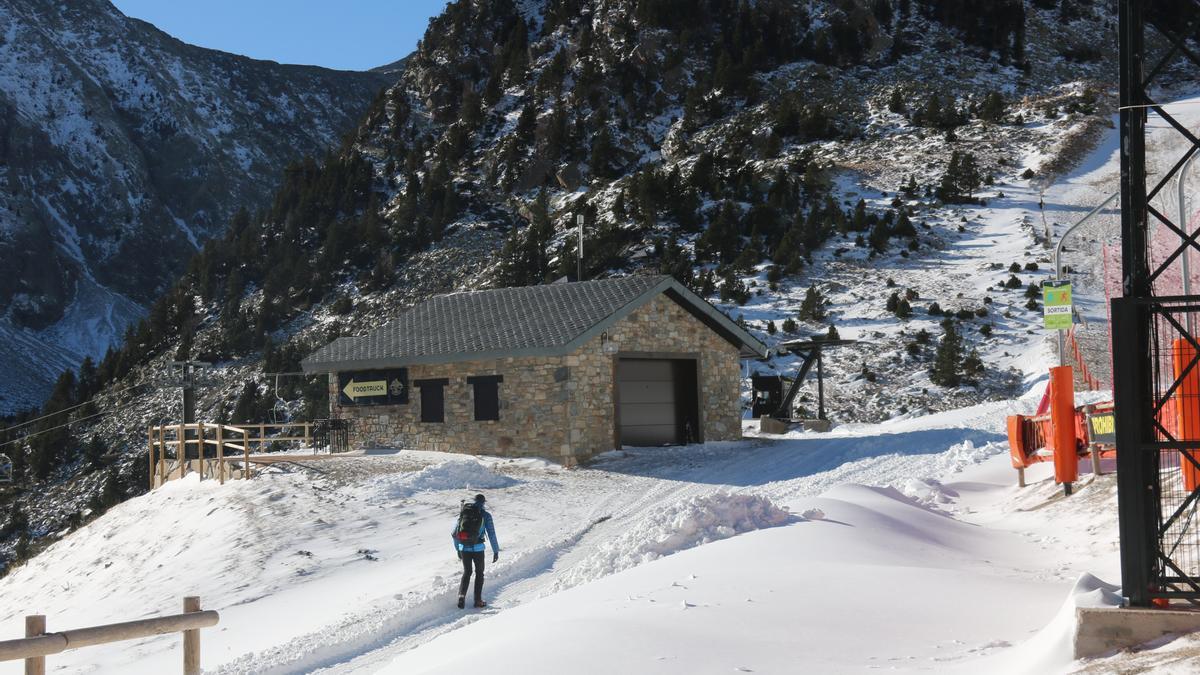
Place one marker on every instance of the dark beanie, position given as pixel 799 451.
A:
pixel 479 499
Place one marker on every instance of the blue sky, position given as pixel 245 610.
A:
pixel 344 34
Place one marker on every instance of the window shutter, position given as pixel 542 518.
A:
pixel 433 399
pixel 487 396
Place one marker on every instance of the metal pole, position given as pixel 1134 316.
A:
pixel 820 387
pixel 1133 391
pixel 1187 275
pixel 1058 271
pixel 579 261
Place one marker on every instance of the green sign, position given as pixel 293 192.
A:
pixel 1056 299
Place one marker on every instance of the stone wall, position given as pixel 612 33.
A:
pixel 661 326
pixel 533 408
pixel 560 408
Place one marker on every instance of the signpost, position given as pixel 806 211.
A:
pixel 1056 299
pixel 1102 428
pixel 373 387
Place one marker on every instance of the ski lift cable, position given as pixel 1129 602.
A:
pixel 46 431
pixel 59 412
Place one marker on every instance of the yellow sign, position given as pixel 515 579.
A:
pixel 355 390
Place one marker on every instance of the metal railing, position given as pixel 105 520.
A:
pixel 38 644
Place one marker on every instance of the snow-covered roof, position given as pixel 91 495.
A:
pixel 506 322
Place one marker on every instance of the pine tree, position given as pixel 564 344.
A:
pixel 972 367
pixel 992 108
pixel 720 242
pixel 947 363
pixel 961 179
pixel 812 308
pixel 603 154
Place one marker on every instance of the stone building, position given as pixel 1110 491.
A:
pixel 562 371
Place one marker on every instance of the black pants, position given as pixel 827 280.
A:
pixel 472 558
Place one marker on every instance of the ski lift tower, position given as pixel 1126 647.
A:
pixel 186 375
pixel 811 353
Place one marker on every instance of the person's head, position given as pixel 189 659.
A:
pixel 480 499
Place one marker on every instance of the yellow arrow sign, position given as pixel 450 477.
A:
pixel 356 390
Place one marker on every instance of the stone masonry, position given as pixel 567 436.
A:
pixel 560 408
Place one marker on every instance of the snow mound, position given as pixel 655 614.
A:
pixel 454 474
pixel 1050 650
pixel 676 527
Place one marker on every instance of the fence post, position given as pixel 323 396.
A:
pixel 200 447
pixel 191 639
pixel 307 435
pixel 221 453
pixel 162 451
pixel 150 435
pixel 35 625
pixel 246 450
pixel 182 445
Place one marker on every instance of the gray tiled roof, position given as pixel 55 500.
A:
pixel 493 323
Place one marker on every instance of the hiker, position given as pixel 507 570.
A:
pixel 473 522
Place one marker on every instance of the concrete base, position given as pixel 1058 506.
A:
pixel 818 425
pixel 1104 630
pixel 770 425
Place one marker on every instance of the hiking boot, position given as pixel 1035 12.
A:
pixel 461 601
pixel 480 603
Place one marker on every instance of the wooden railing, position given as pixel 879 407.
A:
pixel 38 644
pixel 263 439
pixel 191 442
pixel 219 436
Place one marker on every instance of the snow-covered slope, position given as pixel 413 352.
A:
pixel 121 151
pixel 904 545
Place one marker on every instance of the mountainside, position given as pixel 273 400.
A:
pixel 122 150
pixel 867 168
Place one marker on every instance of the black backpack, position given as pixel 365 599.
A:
pixel 469 529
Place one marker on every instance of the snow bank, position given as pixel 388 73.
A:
pixel 455 474
pixel 1051 650
pixel 676 527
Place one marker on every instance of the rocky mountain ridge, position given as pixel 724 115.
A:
pixel 122 150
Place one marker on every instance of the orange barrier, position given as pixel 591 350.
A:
pixel 1064 435
pixel 1062 419
pixel 1187 408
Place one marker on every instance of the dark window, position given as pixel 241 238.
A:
pixel 487 396
pixel 433 399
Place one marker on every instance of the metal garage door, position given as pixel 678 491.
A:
pixel 646 402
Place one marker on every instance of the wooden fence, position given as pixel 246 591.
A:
pixel 192 441
pixel 38 644
pixel 306 435
pixel 220 436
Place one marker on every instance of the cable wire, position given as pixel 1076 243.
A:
pixel 59 412
pixel 46 431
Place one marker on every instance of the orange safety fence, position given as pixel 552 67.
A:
pixel 1085 374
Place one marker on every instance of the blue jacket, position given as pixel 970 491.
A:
pixel 478 546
